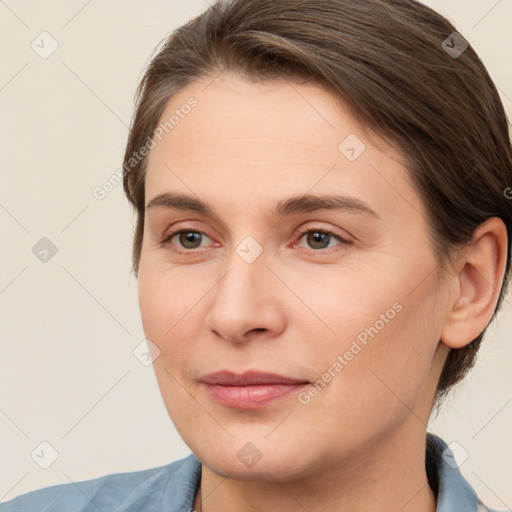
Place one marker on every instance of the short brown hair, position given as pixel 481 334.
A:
pixel 389 62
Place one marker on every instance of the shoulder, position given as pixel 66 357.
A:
pixel 166 487
pixel 454 492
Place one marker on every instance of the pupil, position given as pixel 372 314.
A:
pixel 190 237
pixel 319 238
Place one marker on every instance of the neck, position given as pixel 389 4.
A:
pixel 387 475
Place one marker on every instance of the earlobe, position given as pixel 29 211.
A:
pixel 479 281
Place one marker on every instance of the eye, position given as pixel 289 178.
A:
pixel 316 239
pixel 321 238
pixel 187 238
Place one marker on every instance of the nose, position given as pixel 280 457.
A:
pixel 246 302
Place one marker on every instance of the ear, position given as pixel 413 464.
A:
pixel 478 279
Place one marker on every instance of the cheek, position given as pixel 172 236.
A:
pixel 172 305
pixel 153 303
pixel 380 345
pixel 167 299
pixel 166 308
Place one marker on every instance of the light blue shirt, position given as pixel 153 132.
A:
pixel 173 487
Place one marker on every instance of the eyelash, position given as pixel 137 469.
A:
pixel 325 231
pixel 300 231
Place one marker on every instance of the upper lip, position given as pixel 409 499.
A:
pixel 249 378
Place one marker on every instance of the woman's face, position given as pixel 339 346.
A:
pixel 304 253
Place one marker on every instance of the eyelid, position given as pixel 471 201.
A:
pixel 183 225
pixel 344 241
pixel 306 228
pixel 171 234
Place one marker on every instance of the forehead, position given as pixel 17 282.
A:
pixel 270 119
pixel 269 135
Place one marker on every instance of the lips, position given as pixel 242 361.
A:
pixel 249 390
pixel 250 378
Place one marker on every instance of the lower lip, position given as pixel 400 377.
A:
pixel 250 397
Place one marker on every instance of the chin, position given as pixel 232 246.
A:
pixel 259 461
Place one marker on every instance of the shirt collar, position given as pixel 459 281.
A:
pixel 454 494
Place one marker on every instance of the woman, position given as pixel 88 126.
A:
pixel 322 191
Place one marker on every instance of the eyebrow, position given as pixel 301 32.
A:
pixel 298 204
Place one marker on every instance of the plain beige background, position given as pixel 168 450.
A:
pixel 68 374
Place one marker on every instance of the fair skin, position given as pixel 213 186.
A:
pixel 359 443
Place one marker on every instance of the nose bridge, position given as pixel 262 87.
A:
pixel 242 301
pixel 239 288
pixel 246 267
